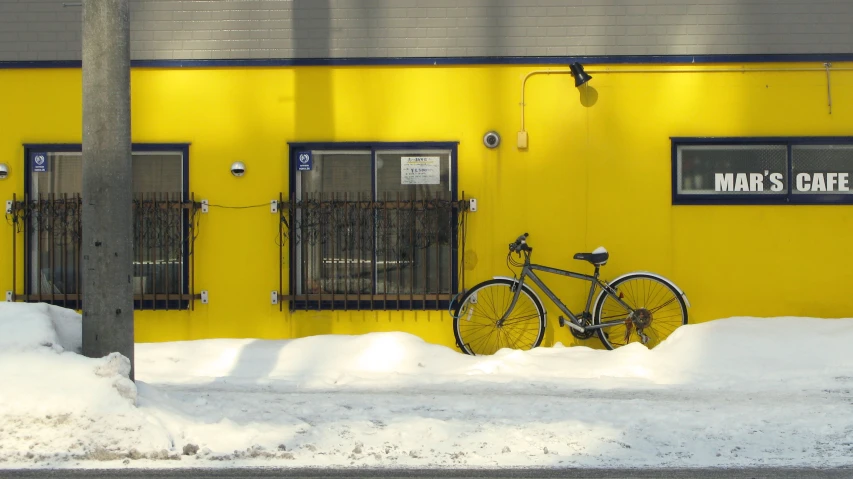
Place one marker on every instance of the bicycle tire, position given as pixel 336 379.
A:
pixel 461 314
pixel 604 333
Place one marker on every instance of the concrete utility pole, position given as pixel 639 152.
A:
pixel 107 181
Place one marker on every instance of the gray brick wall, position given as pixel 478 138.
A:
pixel 217 29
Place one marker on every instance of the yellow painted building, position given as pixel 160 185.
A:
pixel 598 171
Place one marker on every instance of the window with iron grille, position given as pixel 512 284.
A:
pixel 373 226
pixel 50 215
pixel 777 170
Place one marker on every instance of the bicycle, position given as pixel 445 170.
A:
pixel 483 323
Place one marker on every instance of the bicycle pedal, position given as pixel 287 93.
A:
pixel 562 321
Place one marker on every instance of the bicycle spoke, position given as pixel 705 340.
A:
pixel 488 303
pixel 526 338
pixel 484 334
pixel 660 318
pixel 517 320
pixel 483 339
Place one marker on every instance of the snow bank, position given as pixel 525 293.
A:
pixel 732 392
pixel 55 403
pixel 763 353
pixel 745 353
pixel 26 327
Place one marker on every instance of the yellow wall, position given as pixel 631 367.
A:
pixel 597 172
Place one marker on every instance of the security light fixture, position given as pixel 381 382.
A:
pixel 4 171
pixel 581 76
pixel 238 168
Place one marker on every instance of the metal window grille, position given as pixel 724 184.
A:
pixel 351 252
pixel 164 231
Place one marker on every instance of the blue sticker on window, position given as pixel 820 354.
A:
pixel 39 162
pixel 304 161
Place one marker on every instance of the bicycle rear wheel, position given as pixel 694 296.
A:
pixel 659 306
pixel 477 325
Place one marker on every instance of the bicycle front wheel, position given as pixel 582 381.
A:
pixel 659 310
pixel 477 322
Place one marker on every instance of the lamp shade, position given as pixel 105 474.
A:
pixel 581 76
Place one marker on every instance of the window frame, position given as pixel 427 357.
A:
pixel 788 198
pixel 183 149
pixel 373 147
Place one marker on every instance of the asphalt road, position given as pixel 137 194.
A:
pixel 237 473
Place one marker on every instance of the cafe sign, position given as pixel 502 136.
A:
pixel 805 182
pixel 763 173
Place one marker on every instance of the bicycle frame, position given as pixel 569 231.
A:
pixel 528 272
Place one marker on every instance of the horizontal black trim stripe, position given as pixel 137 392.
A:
pixel 343 145
pixel 762 140
pixel 438 61
pixel 73 147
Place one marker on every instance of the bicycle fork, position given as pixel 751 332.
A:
pixel 516 293
pixel 517 287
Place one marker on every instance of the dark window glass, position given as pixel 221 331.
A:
pixel 822 169
pixel 732 170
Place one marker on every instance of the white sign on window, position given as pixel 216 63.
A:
pixel 420 170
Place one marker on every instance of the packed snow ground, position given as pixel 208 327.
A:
pixel 732 392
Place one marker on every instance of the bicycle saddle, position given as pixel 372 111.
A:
pixel 597 257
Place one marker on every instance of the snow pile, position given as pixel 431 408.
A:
pixel 758 353
pixel 30 326
pixel 742 353
pixel 55 403
pixel 732 392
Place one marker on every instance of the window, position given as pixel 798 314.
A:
pixel 53 230
pixel 762 170
pixel 822 171
pixel 373 226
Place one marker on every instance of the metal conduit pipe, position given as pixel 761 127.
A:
pixel 827 67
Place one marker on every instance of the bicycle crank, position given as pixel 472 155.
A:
pixel 585 321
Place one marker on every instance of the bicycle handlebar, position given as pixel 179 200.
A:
pixel 520 244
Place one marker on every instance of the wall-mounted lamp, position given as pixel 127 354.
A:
pixel 4 171
pixel 238 168
pixel 575 69
pixel 581 76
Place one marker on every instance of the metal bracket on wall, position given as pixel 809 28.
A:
pixel 204 296
pixel 274 297
pixel 9 204
pixel 204 206
pixel 828 65
pixel 9 296
pixel 472 204
pixel 274 206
